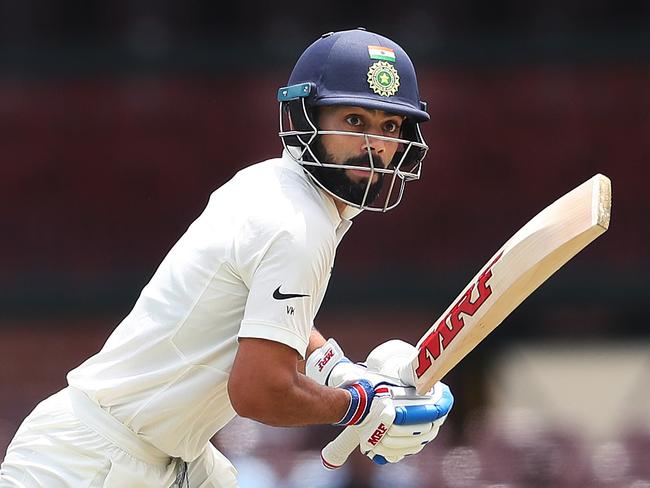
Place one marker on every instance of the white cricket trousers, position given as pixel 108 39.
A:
pixel 69 442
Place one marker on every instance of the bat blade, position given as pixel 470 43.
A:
pixel 523 263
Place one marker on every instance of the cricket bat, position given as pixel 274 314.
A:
pixel 518 268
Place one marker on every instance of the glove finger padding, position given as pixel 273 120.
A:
pixel 387 358
pixel 410 430
pixel 393 449
pixel 407 443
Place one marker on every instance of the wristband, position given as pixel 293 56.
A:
pixel 362 394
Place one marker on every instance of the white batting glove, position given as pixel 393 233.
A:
pixel 369 417
pixel 389 358
pixel 328 366
pixel 418 420
pixel 418 417
pixel 408 436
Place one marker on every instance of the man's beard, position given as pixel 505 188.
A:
pixel 339 183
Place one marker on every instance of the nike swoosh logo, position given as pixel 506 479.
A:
pixel 284 296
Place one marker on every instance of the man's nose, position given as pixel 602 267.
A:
pixel 373 144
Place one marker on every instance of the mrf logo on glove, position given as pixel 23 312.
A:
pixel 325 359
pixel 377 434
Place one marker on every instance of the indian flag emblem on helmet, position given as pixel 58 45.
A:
pixel 381 53
pixel 383 79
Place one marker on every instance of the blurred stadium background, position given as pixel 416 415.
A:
pixel 117 120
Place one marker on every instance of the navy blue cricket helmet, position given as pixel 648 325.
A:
pixel 354 68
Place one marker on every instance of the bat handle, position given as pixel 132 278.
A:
pixel 336 452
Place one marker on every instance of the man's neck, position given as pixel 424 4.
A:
pixel 340 206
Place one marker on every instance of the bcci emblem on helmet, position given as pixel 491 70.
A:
pixel 383 79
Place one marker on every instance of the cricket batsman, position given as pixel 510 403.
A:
pixel 225 326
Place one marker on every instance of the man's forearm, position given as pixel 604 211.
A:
pixel 275 392
pixel 304 403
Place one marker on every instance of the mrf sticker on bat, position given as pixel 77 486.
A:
pixel 452 323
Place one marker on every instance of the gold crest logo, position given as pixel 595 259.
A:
pixel 383 79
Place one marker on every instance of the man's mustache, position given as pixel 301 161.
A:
pixel 365 160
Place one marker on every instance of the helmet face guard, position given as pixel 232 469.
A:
pixel 302 146
pixel 358 69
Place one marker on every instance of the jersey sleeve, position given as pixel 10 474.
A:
pixel 286 286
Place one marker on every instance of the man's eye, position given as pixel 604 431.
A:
pixel 353 120
pixel 391 127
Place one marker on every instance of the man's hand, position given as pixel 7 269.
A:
pixel 370 415
pixel 416 422
pixel 389 358
pixel 418 418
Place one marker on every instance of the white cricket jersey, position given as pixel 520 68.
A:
pixel 265 235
